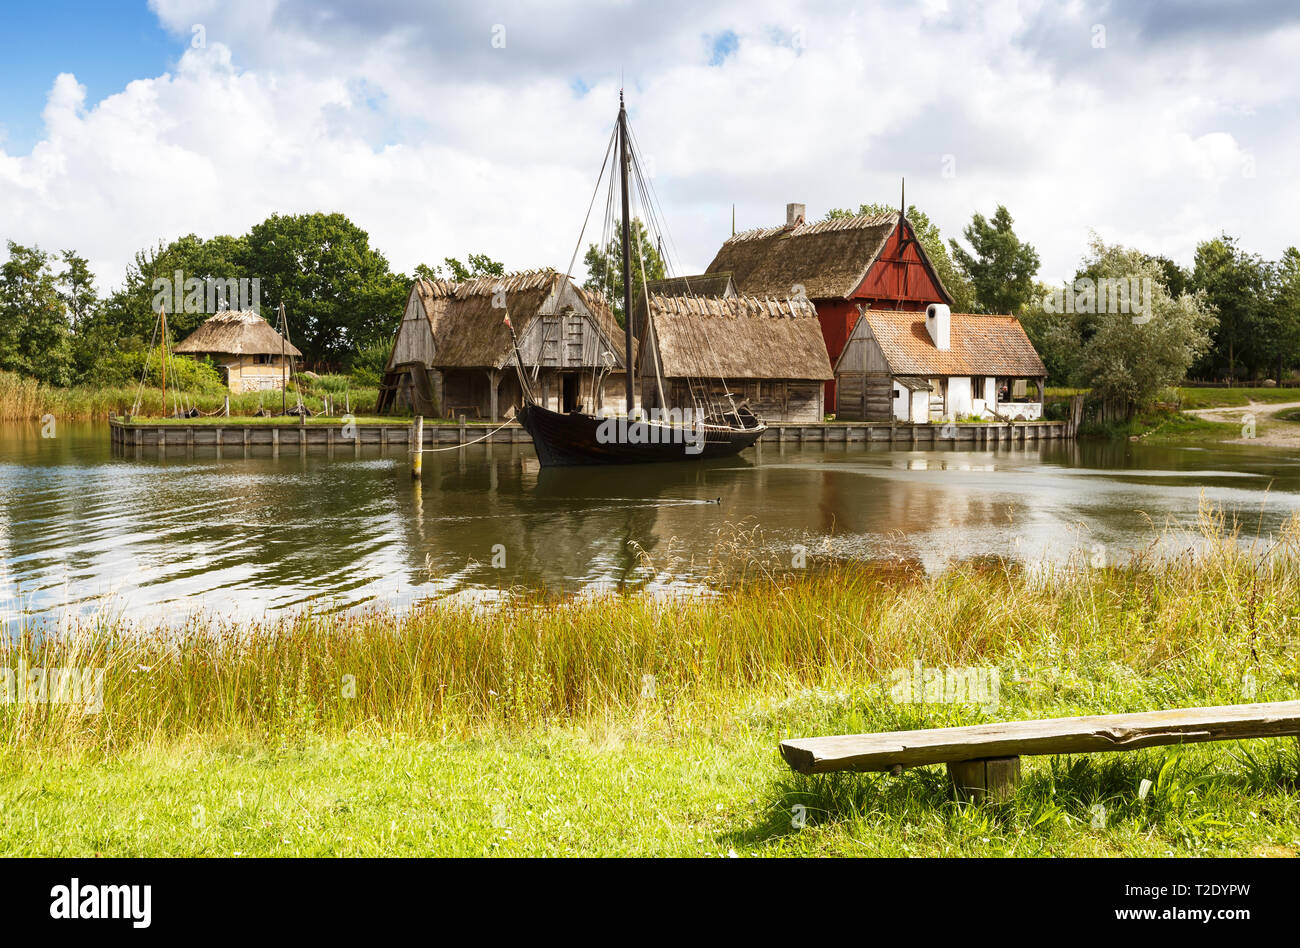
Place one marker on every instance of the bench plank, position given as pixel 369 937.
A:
pixel 1094 732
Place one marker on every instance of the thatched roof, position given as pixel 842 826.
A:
pixel 236 332
pixel 469 329
pixel 829 259
pixel 739 337
pixel 700 284
pixel 978 345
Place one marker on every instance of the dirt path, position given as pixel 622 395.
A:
pixel 1268 430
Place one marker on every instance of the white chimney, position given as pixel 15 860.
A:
pixel 938 320
pixel 794 214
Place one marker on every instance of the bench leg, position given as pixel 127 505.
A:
pixel 991 778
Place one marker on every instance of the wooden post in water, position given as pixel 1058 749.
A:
pixel 417 446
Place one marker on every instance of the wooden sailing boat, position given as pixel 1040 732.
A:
pixel 715 426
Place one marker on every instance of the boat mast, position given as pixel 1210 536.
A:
pixel 627 252
pixel 284 377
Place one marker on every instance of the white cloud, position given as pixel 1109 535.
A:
pixel 437 143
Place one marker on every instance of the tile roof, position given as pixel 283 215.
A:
pixel 979 345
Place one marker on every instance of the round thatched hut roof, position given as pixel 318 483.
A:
pixel 236 332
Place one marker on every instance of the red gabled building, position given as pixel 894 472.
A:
pixel 839 264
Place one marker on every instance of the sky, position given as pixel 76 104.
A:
pixel 446 129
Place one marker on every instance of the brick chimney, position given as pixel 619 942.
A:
pixel 794 215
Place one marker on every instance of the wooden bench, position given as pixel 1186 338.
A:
pixel 984 759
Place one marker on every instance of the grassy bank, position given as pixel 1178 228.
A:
pixel 1164 426
pixel 633 726
pixel 25 399
pixel 1168 421
pixel 1191 398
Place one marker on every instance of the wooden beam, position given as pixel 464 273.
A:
pixel 1096 732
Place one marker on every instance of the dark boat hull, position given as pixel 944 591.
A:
pixel 571 439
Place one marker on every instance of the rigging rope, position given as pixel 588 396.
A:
pixel 139 395
pixel 453 447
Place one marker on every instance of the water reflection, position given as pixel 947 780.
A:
pixel 157 538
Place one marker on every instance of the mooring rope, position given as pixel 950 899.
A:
pixel 453 447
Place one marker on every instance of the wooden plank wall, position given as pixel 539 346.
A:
pixel 864 397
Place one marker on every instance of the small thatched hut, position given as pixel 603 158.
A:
pixel 768 354
pixel 252 355
pixel 452 354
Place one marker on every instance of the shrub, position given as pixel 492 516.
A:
pixel 122 369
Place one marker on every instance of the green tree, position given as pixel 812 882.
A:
pixel 1235 283
pixel 81 302
pixel 1127 361
pixel 77 288
pixel 339 293
pixel 34 334
pixel 480 265
pixel 1283 318
pixel 1002 267
pixel 605 266
pixel 129 314
pixel 1056 337
pixel 927 234
pixel 1176 279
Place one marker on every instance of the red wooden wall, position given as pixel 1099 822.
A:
pixel 895 281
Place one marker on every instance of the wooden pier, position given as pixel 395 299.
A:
pixel 239 439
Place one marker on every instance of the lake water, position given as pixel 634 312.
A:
pixel 82 530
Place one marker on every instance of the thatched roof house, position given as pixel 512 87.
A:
pixel 452 353
pixel 252 355
pixel 839 264
pixel 768 353
pixel 938 365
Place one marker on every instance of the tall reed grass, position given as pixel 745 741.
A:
pixel 24 399
pixel 1219 616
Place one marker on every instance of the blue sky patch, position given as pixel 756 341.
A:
pixel 722 45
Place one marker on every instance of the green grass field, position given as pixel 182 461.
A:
pixel 629 726
pixel 1231 397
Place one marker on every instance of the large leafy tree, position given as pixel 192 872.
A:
pixel 1284 300
pixel 927 234
pixel 338 291
pixel 129 315
pixel 1236 285
pixel 605 266
pixel 1057 337
pixel 82 304
pixel 34 332
pixel 1177 279
pixel 1000 266
pixel 1128 362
